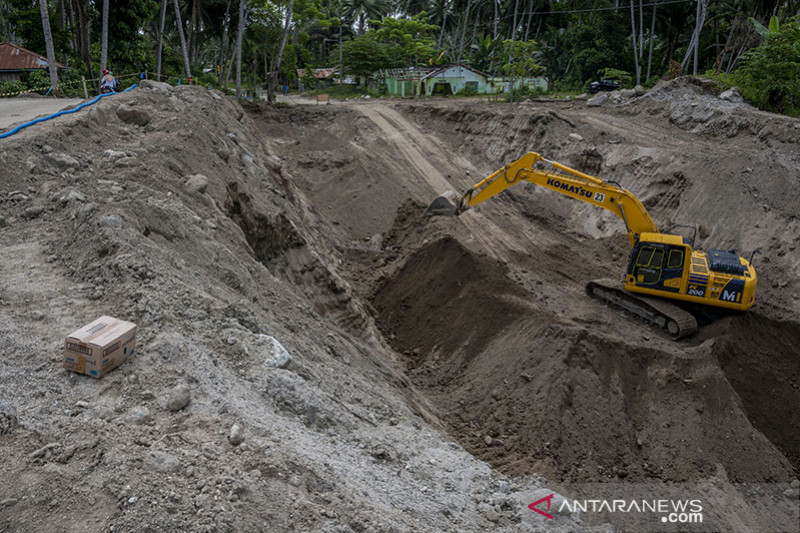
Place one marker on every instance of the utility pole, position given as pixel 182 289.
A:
pixel 341 61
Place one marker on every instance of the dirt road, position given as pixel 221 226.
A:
pixel 16 110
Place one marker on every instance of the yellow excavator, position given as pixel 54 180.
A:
pixel 662 267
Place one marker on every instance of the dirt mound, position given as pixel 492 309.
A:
pixel 444 299
pixel 759 358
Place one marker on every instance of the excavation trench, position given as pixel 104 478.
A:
pixel 492 325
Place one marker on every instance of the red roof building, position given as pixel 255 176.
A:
pixel 15 61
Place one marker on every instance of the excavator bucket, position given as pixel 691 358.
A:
pixel 445 205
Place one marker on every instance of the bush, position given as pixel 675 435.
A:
pixel 39 80
pixel 651 82
pixel 11 87
pixel 769 75
pixel 625 78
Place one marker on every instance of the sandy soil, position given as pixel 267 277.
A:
pixel 17 110
pixel 441 373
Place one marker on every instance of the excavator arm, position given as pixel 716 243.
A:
pixel 570 182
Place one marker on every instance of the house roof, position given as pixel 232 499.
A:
pixel 409 73
pixel 319 73
pixel 13 57
pixel 444 68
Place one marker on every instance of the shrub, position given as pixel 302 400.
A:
pixel 769 75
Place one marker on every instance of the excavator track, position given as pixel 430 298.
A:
pixel 677 322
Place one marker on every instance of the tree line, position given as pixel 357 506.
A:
pixel 571 42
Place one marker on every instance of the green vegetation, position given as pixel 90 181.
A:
pixel 753 44
pixel 769 75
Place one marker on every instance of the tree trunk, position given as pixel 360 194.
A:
pixel 528 25
pixel 463 32
pixel 274 78
pixel 239 33
pixel 183 39
pixel 694 44
pixel 514 28
pixel 224 43
pixel 161 19
pixel 48 41
pixel 62 25
pixel 444 19
pixel 633 37
pixel 197 22
pixel 652 39
pixel 84 39
pixel 104 39
pixel 496 19
pixel 641 31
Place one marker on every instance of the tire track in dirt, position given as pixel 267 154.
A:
pixel 419 150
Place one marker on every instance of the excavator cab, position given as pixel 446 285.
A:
pixel 665 265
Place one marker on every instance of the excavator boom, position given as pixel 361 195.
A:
pixel 568 181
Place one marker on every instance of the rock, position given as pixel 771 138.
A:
pixel 71 196
pixel 582 96
pixel 3 222
pixel 81 404
pixel 178 398
pixel 376 242
pixel 133 115
pixel 792 493
pixel 33 211
pixel 159 461
pixel 158 86
pixel 111 221
pixel 598 100
pixel 575 137
pixel 639 90
pixel 126 162
pixel 37 315
pixel 273 162
pixel 46 149
pixel 732 95
pixel 503 487
pixel 61 161
pixel 276 354
pixel 139 415
pixel 626 93
pixel 197 183
pixel 487 439
pixel 236 436
pixel 113 155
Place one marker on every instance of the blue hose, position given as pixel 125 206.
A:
pixel 59 113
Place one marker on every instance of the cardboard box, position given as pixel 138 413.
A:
pixel 99 347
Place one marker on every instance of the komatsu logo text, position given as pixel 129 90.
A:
pixel 580 191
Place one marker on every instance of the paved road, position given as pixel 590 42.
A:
pixel 16 110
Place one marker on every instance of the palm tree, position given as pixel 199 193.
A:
pixel 162 17
pixel 240 32
pixel 104 39
pixel 48 41
pixel 274 77
pixel 361 9
pixel 183 39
